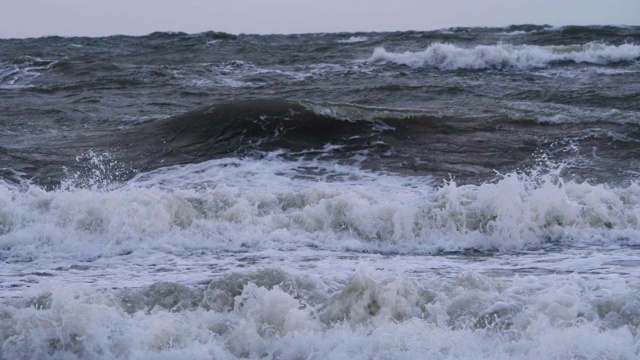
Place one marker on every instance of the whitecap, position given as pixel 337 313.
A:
pixel 446 56
pixel 353 39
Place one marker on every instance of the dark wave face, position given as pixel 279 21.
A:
pixel 460 102
pixel 470 149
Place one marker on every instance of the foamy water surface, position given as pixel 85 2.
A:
pixel 466 193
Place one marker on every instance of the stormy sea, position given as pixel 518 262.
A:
pixel 466 193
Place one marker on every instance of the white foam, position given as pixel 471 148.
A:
pixel 239 73
pixel 272 204
pixel 452 57
pixel 18 76
pixel 353 39
pixel 218 76
pixel 467 316
pixel 513 33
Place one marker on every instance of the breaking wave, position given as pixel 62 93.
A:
pixel 446 56
pixel 353 39
pixel 272 204
pixel 270 313
pixel 20 73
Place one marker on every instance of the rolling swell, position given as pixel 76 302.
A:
pixel 248 128
pixel 417 144
pixel 265 125
pixel 401 141
pixel 410 142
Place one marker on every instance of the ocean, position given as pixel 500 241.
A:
pixel 465 193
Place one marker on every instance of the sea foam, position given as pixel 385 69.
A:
pixel 373 315
pixel 268 205
pixel 20 74
pixel 446 56
pixel 353 39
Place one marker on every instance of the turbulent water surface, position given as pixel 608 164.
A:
pixel 468 193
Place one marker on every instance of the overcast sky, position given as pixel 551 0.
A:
pixel 26 18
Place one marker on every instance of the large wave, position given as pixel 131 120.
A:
pixel 402 140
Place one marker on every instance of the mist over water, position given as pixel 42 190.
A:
pixel 467 193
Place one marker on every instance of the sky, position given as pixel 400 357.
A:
pixel 31 18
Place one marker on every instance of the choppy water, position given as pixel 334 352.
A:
pixel 469 193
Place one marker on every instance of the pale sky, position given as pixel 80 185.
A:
pixel 28 18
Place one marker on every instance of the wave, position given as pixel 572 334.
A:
pixel 527 33
pixel 526 28
pixel 406 141
pixel 207 34
pixel 276 204
pixel 402 140
pixel 375 138
pixel 19 74
pixel 272 313
pixel 453 57
pixel 353 39
pixel 267 125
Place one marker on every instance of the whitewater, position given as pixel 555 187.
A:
pixel 467 193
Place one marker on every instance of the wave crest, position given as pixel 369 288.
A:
pixel 446 56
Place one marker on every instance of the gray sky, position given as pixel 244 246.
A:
pixel 26 18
